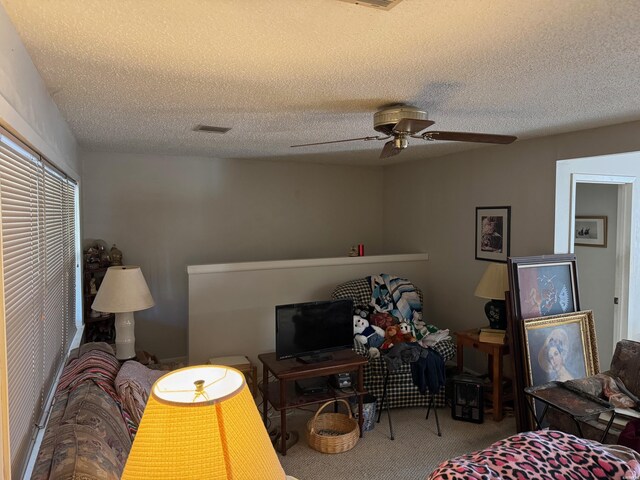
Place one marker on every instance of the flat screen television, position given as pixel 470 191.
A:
pixel 308 331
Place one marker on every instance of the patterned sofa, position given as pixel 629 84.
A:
pixel 401 391
pixel 89 432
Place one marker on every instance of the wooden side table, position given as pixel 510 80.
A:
pixel 282 394
pixel 496 352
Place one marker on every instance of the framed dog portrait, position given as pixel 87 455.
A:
pixel 493 233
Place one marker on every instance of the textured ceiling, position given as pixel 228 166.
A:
pixel 139 75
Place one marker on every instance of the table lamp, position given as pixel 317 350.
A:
pixel 202 423
pixel 123 291
pixel 493 285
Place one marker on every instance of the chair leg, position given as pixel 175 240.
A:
pixel 431 403
pixel 384 395
pixel 382 405
pixel 390 424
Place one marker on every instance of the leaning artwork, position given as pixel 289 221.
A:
pixel 560 347
pixel 546 289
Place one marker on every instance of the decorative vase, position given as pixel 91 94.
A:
pixel 116 255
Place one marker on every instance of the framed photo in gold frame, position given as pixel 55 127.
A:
pixel 560 347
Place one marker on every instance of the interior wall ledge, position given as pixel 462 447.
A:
pixel 306 262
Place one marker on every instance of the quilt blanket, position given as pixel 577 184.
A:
pixel 395 295
pixel 541 455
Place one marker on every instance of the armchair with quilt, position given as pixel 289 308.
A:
pixel 401 391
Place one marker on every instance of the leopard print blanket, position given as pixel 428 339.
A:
pixel 542 455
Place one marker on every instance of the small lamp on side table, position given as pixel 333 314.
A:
pixel 493 285
pixel 123 291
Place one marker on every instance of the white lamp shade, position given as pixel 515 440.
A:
pixel 122 290
pixel 494 282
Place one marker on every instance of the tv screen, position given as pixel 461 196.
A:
pixel 312 328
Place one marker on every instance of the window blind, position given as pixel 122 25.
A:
pixel 38 212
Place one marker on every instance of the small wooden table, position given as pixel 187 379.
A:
pixel 495 351
pixel 283 395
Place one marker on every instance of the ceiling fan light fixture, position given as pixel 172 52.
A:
pixel 400 142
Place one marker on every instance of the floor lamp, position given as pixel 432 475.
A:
pixel 123 291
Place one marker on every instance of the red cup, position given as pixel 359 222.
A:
pixel 361 250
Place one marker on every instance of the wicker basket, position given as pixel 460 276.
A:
pixel 333 432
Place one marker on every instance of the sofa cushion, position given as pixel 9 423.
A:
pixel 91 406
pixel 42 468
pixel 80 454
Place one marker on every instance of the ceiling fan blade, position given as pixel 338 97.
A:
pixel 389 150
pixel 412 125
pixel 377 137
pixel 469 137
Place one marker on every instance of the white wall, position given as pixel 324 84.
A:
pixel 244 319
pixel 168 212
pixel 596 265
pixel 26 107
pixel 445 192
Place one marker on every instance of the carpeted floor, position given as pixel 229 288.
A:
pixel 415 452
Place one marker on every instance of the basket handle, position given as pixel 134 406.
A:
pixel 315 417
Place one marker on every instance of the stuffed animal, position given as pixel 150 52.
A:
pixel 420 327
pixel 368 335
pixel 406 331
pixel 392 336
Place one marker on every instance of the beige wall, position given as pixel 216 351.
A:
pixel 445 192
pixel 167 212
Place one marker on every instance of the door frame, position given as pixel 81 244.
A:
pixel 613 170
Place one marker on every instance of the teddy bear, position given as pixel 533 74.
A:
pixel 368 335
pixel 392 336
pixel 406 332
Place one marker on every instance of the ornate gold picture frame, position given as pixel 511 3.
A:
pixel 560 347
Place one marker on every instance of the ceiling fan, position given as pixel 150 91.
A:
pixel 403 121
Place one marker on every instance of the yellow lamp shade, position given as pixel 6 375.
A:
pixel 202 423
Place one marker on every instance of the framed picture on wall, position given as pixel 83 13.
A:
pixel 591 231
pixel 493 233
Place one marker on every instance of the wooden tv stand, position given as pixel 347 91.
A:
pixel 283 395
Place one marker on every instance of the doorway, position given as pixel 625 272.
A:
pixel 595 250
pixel 620 172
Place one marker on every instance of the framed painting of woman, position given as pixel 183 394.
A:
pixel 560 347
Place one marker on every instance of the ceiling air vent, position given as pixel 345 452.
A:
pixel 210 129
pixel 378 4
